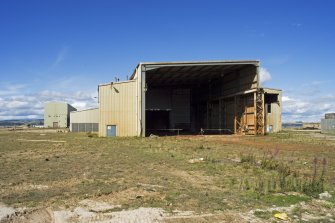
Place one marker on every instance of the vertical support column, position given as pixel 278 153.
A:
pixel 220 115
pixel 263 114
pixel 209 125
pixel 260 113
pixel 245 114
pixel 207 116
pixel 255 113
pixel 235 124
pixel 225 115
pixel 260 124
pixel 143 90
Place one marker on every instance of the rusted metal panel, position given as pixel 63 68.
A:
pixel 245 114
pixel 117 106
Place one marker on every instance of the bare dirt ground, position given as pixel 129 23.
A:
pixel 69 177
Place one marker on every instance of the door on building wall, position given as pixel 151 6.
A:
pixel 55 124
pixel 111 130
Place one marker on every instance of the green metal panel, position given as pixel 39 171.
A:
pixel 57 112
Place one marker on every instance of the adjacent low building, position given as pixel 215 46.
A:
pixel 85 120
pixel 273 109
pixel 57 114
pixel 328 123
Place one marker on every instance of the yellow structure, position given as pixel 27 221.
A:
pixel 118 107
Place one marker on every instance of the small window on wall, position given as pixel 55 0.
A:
pixel 268 108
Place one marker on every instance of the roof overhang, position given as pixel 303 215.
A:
pixel 271 91
pixel 156 65
pixel 188 73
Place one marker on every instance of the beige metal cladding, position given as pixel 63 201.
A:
pixel 85 116
pixel 273 118
pixel 117 106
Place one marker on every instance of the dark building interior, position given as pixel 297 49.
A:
pixel 201 99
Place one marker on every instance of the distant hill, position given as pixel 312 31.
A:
pixel 292 125
pixel 17 122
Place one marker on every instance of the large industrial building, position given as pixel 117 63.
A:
pixel 57 114
pixel 190 98
pixel 85 120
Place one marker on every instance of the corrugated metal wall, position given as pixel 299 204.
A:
pixel 327 125
pixel 273 119
pixel 85 116
pixel 330 116
pixel 84 127
pixel 241 80
pixel 117 106
pixel 84 121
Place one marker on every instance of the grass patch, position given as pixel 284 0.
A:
pixel 263 214
pixel 90 167
pixel 283 200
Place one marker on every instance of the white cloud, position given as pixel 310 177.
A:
pixel 264 75
pixel 60 57
pixel 286 98
pixel 80 105
pixel 10 88
pixel 17 117
pixel 19 105
pixel 19 100
pixel 308 102
pixel 309 109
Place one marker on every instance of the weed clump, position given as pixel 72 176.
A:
pixel 202 147
pixel 316 185
pixel 92 135
pixel 249 158
pixel 283 178
pixel 263 214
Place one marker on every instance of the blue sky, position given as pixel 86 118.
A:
pixel 61 50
